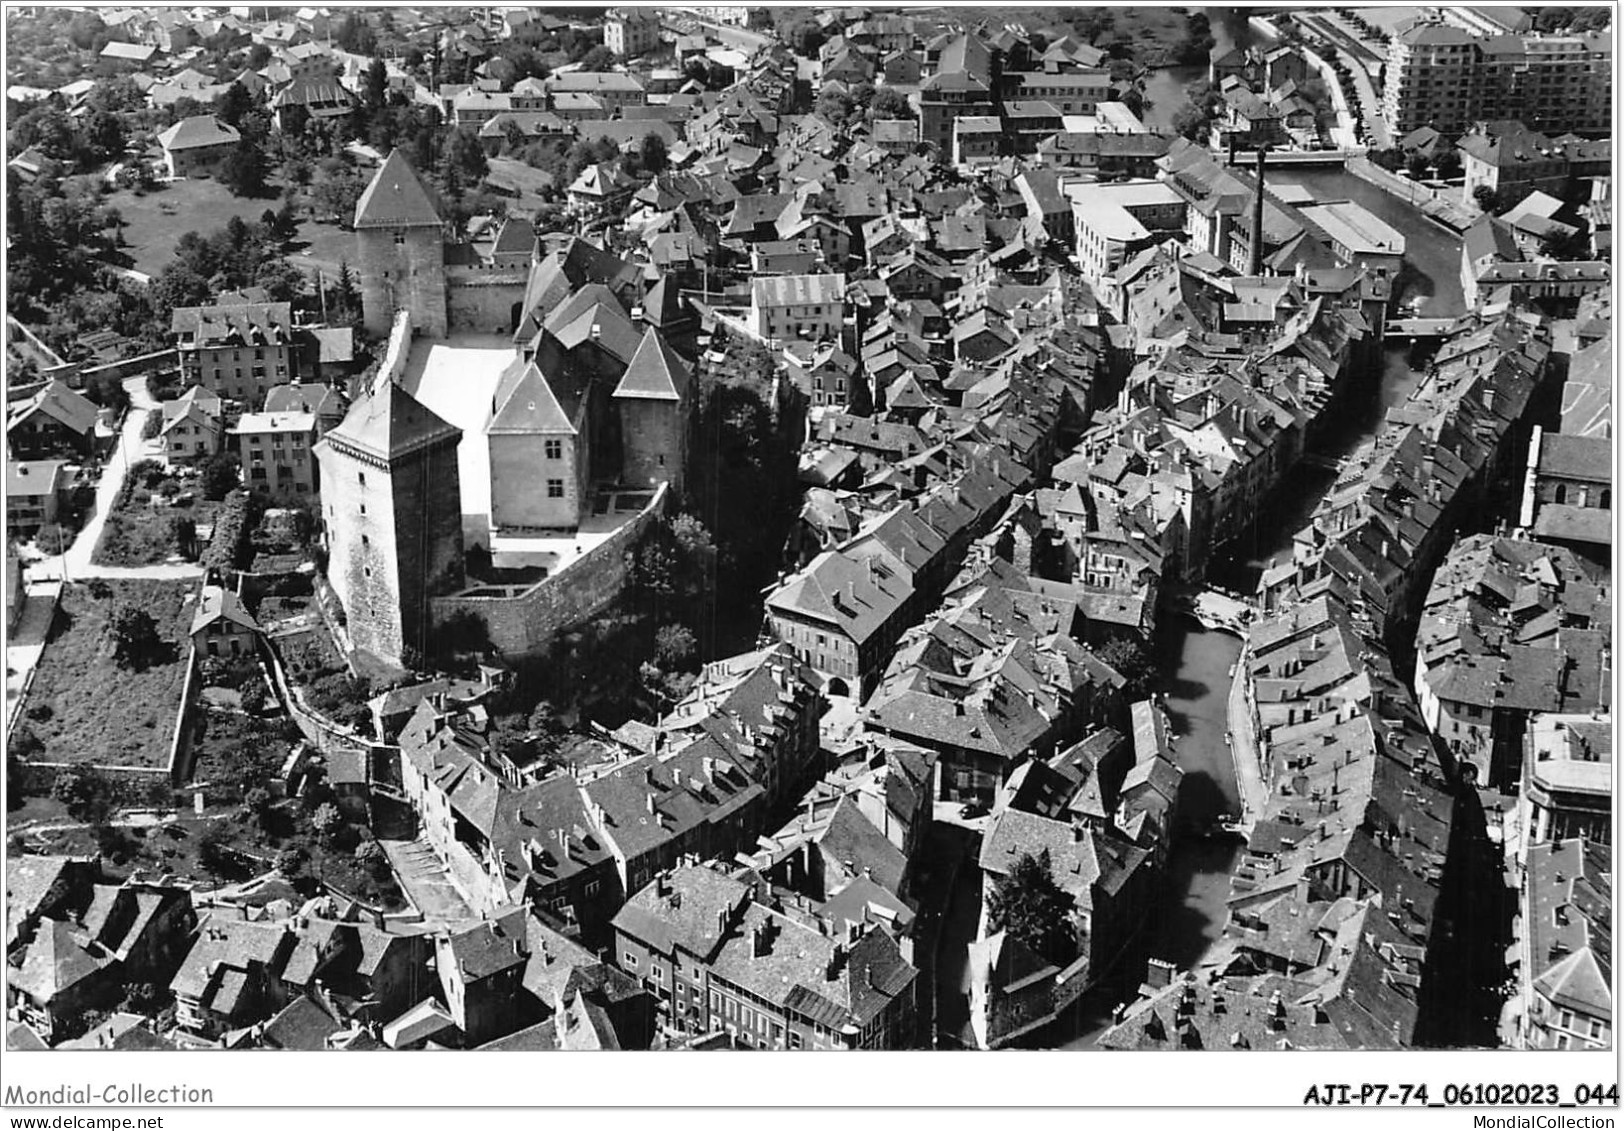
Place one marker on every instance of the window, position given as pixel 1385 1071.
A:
pixel 555 449
pixel 555 488
pixel 630 960
pixel 400 238
pixel 361 477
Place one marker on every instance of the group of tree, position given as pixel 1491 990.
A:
pixel 1195 48
pixel 1576 20
pixel 136 641
pixel 743 477
pixel 1027 903
pixel 1202 104
pixel 862 102
pixel 241 254
pixel 1134 663
pixel 671 578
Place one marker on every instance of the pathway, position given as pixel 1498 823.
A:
pixel 75 565
pixel 26 642
pixel 1243 748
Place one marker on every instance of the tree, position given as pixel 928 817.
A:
pixel 258 801
pixel 1135 665
pixel 600 58
pixel 1486 198
pixel 888 102
pixel 1447 164
pixel 835 106
pixel 52 539
pixel 327 821
pixel 85 792
pixel 652 153
pixel 286 221
pixel 183 530
pixel 291 862
pixel 212 855
pixel 1031 907
pixel 244 171
pixel 25 744
pixel 135 637
pixel 375 87
pixel 233 104
pixel 804 37
pixel 463 158
pixel 253 696
pixel 1417 166
pixel 177 285
pixel 674 646
pixel 1189 121
pixel 1553 19
pixel 219 476
pixel 142 997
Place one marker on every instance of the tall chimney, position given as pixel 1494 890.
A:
pixel 1254 265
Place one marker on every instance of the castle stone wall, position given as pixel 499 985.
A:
pixel 526 623
pixel 484 299
pixel 409 275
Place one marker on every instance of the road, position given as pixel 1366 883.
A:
pixel 1244 749
pixel 1377 133
pixel 26 642
pixel 75 565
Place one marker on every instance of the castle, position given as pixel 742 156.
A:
pixel 594 397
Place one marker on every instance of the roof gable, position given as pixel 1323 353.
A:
pixel 396 198
pixel 655 372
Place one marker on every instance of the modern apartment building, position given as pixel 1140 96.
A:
pixel 1446 77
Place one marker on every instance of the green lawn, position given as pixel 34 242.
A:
pixel 97 711
pixel 155 222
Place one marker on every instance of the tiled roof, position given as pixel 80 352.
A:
pixel 396 198
pixel 655 371
pixel 390 424
pixel 525 404
pixel 197 132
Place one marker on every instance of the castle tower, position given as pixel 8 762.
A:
pixel 402 251
pixel 393 509
pixel 540 459
pixel 652 399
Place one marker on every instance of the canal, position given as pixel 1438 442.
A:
pixel 1164 86
pixel 1431 251
pixel 1196 663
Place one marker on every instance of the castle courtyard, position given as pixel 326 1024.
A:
pixel 455 378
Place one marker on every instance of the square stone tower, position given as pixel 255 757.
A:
pixel 392 503
pixel 653 402
pixel 402 251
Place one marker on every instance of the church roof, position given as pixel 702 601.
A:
pixel 390 424
pixel 525 403
pixel 655 371
pixel 396 198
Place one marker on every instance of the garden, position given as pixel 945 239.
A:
pixel 109 680
pixel 155 518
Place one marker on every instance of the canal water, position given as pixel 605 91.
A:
pixel 1196 663
pixel 1164 86
pixel 1431 251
